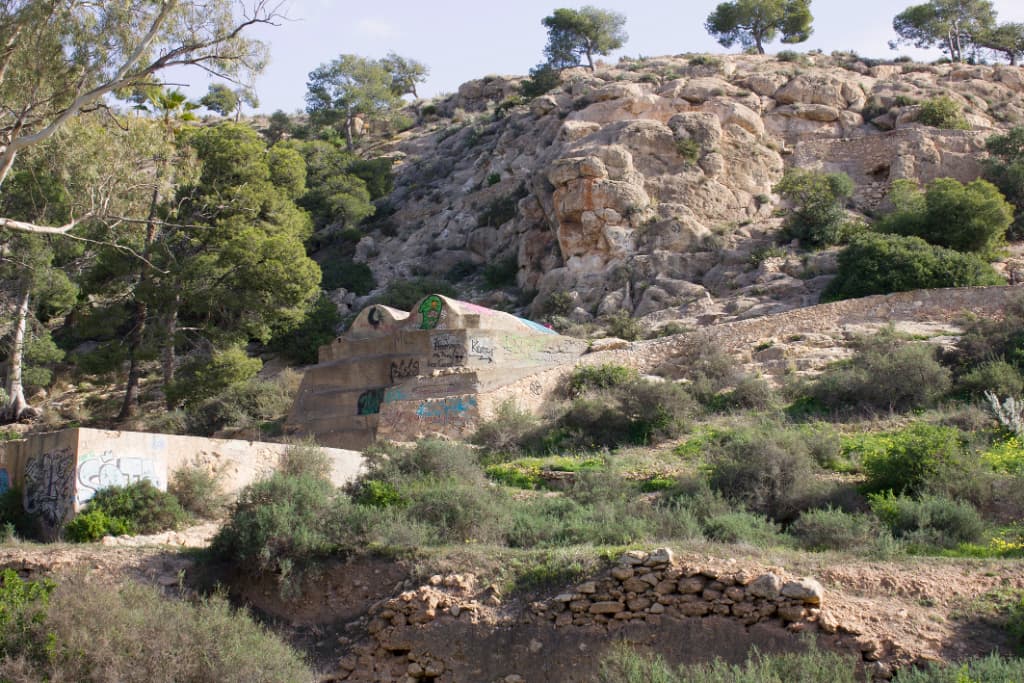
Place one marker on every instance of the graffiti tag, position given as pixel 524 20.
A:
pixel 482 348
pixel 97 472
pixel 446 351
pixel 369 402
pixel 430 311
pixel 49 481
pixel 400 369
pixel 5 481
pixel 374 317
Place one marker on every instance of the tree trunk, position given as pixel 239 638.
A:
pixel 169 358
pixel 131 389
pixel 348 133
pixel 590 59
pixel 17 405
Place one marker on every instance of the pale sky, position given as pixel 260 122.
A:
pixel 460 41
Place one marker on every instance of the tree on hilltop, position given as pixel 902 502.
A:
pixel 347 88
pixel 588 31
pixel 752 23
pixel 1006 39
pixel 953 26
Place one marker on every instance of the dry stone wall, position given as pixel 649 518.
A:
pixel 451 629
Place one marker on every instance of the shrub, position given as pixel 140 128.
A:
pixel 141 507
pixel 831 529
pixel 101 633
pixel 967 218
pixel 1015 627
pixel 688 149
pixel 507 431
pixel 622 325
pixel 23 607
pixel 404 294
pixel 751 393
pixel 942 112
pixel 92 525
pixel 880 264
pixel 638 412
pixel 766 468
pixel 12 513
pixel 996 376
pixel 930 521
pixel 457 510
pixel 203 378
pixel 908 460
pixel 587 378
pixel 380 494
pixel 239 406
pixel 986 339
pixel 301 344
pixel 199 492
pixel 543 78
pixel 501 273
pixel 818 201
pixel 743 527
pixel 278 523
pixel 501 210
pixel 305 458
pixel 1005 168
pixel 342 273
pixel 885 373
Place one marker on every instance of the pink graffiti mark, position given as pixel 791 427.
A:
pixel 473 308
pixel 97 472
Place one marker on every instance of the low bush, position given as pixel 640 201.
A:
pixel 13 515
pixel 818 201
pixel 947 213
pixel 997 376
pixel 622 325
pixel 831 529
pixel 1015 626
pixel 501 273
pixel 768 469
pixel 909 460
pixel 543 78
pixel 585 378
pixel 199 492
pixel 305 458
pixel 929 522
pixel 138 508
pixel 458 511
pixel 881 264
pixel 201 378
pixel 344 273
pixel 943 112
pixel 94 633
pixel 239 406
pixel 508 431
pixel 278 524
pixel 743 527
pixel 885 373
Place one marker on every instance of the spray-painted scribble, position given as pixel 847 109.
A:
pixel 446 351
pixel 369 402
pixel 5 481
pixel 430 311
pixel 49 486
pixel 482 348
pixel 454 411
pixel 98 471
pixel 401 369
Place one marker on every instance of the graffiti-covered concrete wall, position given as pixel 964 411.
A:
pixel 401 375
pixel 59 472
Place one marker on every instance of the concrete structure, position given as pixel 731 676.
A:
pixel 436 370
pixel 59 472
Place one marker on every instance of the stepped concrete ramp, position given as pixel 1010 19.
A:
pixel 436 369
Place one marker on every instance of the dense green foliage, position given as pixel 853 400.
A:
pixel 138 508
pixel 942 112
pixel 753 23
pixel 968 218
pixel 947 24
pixel 880 264
pixel 818 200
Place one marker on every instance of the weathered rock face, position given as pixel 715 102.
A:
pixel 648 186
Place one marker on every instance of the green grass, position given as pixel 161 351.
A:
pixel 528 473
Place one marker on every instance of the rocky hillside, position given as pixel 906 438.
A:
pixel 647 186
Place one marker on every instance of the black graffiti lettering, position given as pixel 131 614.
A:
pixel 400 369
